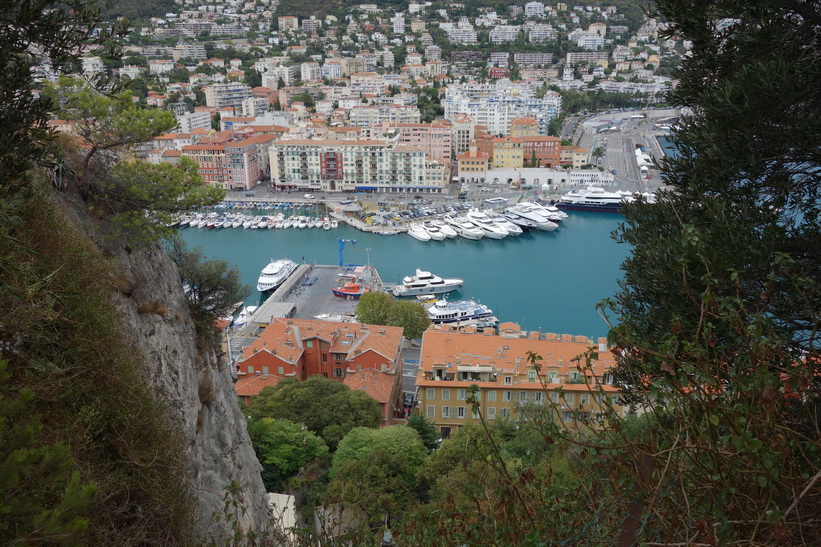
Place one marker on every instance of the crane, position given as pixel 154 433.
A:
pixel 341 246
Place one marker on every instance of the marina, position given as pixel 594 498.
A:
pixel 541 279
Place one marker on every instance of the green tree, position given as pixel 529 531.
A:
pixel 426 430
pixel 411 316
pixel 34 30
pixel 718 310
pixel 143 197
pixel 42 498
pixel 327 407
pixel 107 122
pixel 283 447
pixel 374 308
pixel 253 78
pixel 212 286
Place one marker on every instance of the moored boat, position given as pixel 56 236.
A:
pixel 351 290
pixel 593 198
pixel 274 274
pixel 461 311
pixel 426 283
pixel 416 231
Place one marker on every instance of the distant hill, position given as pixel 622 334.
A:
pixel 140 9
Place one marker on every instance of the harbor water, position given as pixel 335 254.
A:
pixel 540 280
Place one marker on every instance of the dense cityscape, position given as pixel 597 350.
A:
pixel 153 392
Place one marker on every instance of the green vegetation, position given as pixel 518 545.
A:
pixel 380 308
pixel 212 286
pixel 140 9
pixel 327 407
pixel 283 447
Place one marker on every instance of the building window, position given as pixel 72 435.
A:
pixel 446 412
pixel 538 398
pixel 508 380
pixel 508 395
pixel 431 411
pixel 585 398
pixel 523 396
pixel 567 416
pixel 531 376
pixel 570 398
pixel 431 394
pixel 337 356
pixel 505 413
pixel 324 357
pixel 337 373
pixel 460 412
pixel 265 370
pixel 491 395
pixel 554 397
pixel 445 394
pixel 491 413
pixel 475 413
pixel 280 370
pixel 460 394
pixel 250 369
pixel 309 343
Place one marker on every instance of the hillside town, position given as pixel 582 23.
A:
pixel 382 100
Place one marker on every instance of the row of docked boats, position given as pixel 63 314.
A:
pixel 253 222
pixel 476 224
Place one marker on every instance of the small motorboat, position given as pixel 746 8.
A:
pixel 351 290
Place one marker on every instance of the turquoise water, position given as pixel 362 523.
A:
pixel 541 280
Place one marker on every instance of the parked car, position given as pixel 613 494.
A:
pixel 309 196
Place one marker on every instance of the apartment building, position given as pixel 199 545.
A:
pixel 509 386
pixel 365 357
pixel 367 115
pixel 434 138
pixel 472 165
pixel 229 94
pixel 365 165
pixel 495 105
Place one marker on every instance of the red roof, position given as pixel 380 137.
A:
pixel 378 385
pixel 250 386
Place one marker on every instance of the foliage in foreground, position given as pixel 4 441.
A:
pixel 327 407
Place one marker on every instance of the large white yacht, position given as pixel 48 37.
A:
pixel 491 229
pixel 434 232
pixel 464 312
pixel 465 228
pixel 446 229
pixel 426 283
pixel 512 228
pixel 417 231
pixel 274 274
pixel 593 198
pixel 528 213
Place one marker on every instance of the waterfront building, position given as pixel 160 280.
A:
pixel 364 165
pixel 472 165
pixel 507 153
pixel 509 386
pixel 462 127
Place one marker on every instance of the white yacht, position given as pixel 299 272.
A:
pixel 274 274
pixel 465 228
pixel 464 312
pixel 512 228
pixel 552 216
pixel 593 198
pixel 446 229
pixel 434 232
pixel 491 229
pixel 528 213
pixel 426 283
pixel 416 231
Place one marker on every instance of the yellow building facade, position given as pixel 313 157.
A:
pixel 509 386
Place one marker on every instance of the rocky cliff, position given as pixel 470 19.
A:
pixel 193 383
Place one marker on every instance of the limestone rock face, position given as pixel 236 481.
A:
pixel 195 386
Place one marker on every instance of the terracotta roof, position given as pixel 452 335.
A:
pixel 250 386
pixel 509 325
pixel 378 385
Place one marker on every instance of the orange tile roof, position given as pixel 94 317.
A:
pixel 507 355
pixel 283 337
pixel 509 325
pixel 378 385
pixel 250 386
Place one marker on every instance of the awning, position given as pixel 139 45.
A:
pixel 365 188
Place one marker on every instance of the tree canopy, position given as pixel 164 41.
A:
pixel 380 308
pixel 327 407
pixel 283 447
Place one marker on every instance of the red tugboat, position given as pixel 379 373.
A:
pixel 352 290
